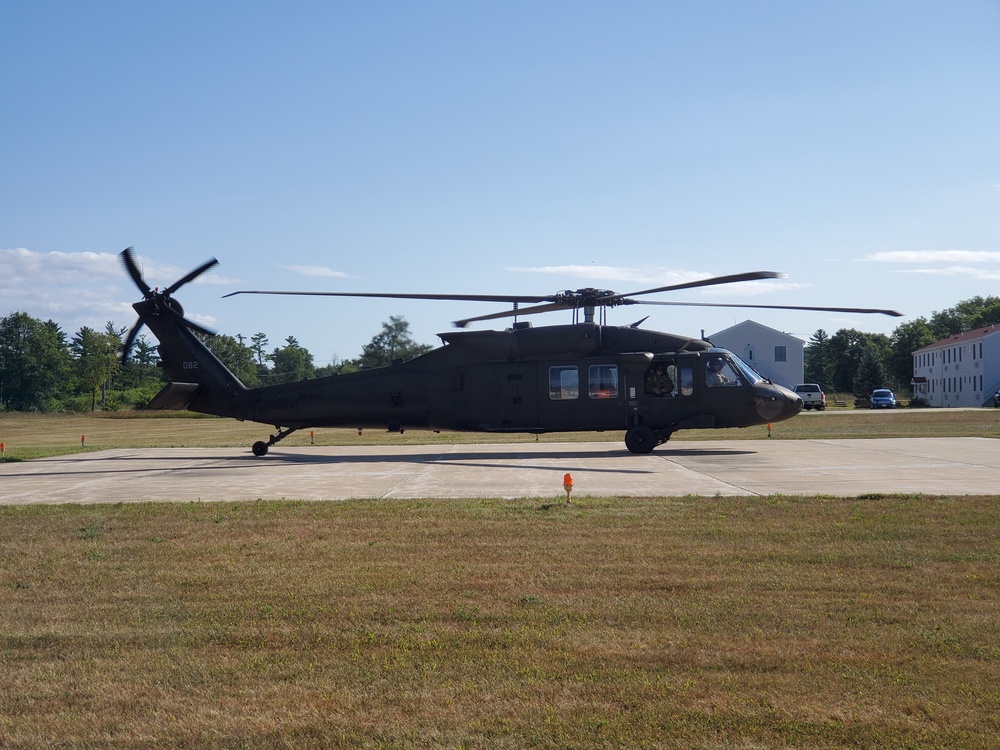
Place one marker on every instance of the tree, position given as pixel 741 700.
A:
pixel 258 345
pixel 870 373
pixel 34 363
pixel 846 349
pixel 818 360
pixel 966 315
pixel 97 359
pixel 292 362
pixel 236 356
pixel 393 342
pixel 906 339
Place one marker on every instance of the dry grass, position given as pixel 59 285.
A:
pixel 694 623
pixel 33 435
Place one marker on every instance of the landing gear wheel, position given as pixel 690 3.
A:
pixel 259 448
pixel 641 439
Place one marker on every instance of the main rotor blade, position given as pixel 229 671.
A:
pixel 893 313
pixel 517 311
pixel 133 270
pixel 392 295
pixel 733 278
pixel 191 276
pixel 130 339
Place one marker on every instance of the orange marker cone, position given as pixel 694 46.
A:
pixel 568 485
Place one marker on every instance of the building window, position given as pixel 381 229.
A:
pixel 780 354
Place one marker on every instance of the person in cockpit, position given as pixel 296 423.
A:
pixel 716 374
pixel 658 383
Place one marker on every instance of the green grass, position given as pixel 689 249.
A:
pixel 806 622
pixel 677 623
pixel 32 436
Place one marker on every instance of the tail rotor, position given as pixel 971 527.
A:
pixel 157 303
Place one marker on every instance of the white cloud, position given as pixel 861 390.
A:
pixel 21 266
pixel 935 256
pixel 85 288
pixel 979 274
pixel 321 271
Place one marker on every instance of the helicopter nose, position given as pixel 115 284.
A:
pixel 775 403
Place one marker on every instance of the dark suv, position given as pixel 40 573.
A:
pixel 882 398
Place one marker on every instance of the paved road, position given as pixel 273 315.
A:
pixel 963 466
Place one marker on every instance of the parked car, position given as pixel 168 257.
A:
pixel 812 396
pixel 882 398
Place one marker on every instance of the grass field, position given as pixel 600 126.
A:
pixel 765 622
pixel 35 435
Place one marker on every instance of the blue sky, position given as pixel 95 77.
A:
pixel 507 148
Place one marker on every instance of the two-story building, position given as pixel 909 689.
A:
pixel 775 355
pixel 961 370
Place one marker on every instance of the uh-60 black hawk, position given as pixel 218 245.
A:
pixel 560 378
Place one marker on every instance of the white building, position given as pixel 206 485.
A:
pixel 962 370
pixel 775 355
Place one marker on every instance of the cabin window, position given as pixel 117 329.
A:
pixel 603 381
pixel 686 381
pixel 564 383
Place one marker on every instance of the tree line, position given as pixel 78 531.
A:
pixel 43 369
pixel 851 361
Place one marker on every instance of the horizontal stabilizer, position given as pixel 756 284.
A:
pixel 174 397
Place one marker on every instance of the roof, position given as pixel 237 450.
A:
pixel 960 338
pixel 755 324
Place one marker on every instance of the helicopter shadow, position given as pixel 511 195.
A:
pixel 131 464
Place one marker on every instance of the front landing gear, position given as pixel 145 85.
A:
pixel 642 438
pixel 260 447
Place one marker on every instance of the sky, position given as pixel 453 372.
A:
pixel 498 148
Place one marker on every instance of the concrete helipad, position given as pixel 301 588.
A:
pixel 963 466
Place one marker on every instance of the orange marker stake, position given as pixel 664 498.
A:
pixel 359 432
pixel 83 441
pixel 3 448
pixel 312 437
pixel 769 429
pixel 568 485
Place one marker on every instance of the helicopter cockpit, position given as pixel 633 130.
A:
pixel 729 371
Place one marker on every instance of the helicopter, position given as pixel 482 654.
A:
pixel 582 376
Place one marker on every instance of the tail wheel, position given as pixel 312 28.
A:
pixel 641 439
pixel 259 448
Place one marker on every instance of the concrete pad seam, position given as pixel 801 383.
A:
pixel 425 466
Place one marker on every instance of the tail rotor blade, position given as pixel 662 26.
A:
pixel 191 276
pixel 128 258
pixel 195 326
pixel 130 339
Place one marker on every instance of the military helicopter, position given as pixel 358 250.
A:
pixel 560 378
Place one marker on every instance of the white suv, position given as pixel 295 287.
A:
pixel 812 396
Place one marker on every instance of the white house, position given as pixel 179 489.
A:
pixel 775 355
pixel 961 370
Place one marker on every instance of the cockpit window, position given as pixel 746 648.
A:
pixel 720 373
pixel 750 375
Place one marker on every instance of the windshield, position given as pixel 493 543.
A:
pixel 749 373
pixel 882 394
